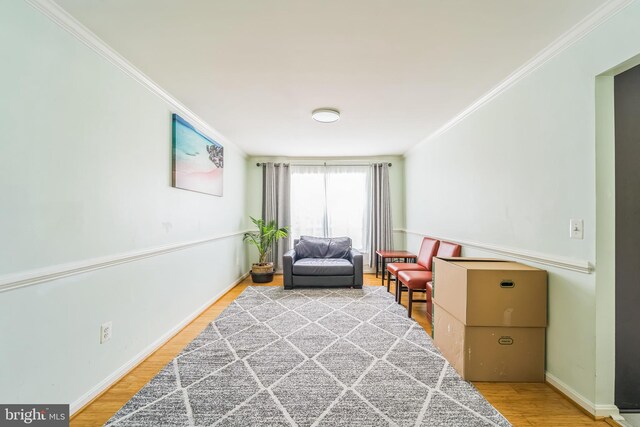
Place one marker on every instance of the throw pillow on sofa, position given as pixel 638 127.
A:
pixel 321 247
pixel 311 248
pixel 339 247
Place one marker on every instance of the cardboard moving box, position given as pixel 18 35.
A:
pixel 483 353
pixel 484 292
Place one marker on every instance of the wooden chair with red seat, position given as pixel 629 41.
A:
pixel 428 249
pixel 419 281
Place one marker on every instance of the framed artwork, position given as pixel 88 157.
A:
pixel 198 160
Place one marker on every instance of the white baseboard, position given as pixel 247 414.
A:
pixel 593 409
pixel 146 352
pixel 608 411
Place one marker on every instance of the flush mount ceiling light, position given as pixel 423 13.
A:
pixel 325 115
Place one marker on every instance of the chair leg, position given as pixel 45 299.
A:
pixel 409 303
pixel 398 291
pixel 388 280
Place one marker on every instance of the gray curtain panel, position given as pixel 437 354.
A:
pixel 276 190
pixel 381 224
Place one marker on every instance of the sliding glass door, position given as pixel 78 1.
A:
pixel 330 201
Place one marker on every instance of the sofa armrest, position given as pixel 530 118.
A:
pixel 287 268
pixel 356 260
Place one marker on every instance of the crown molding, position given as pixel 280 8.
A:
pixel 574 34
pixel 64 20
pixel 48 274
pixel 554 261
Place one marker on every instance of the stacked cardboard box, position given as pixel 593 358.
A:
pixel 489 318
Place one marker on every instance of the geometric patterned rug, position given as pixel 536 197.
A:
pixel 310 357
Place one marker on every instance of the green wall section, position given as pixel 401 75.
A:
pixel 85 173
pixel 516 170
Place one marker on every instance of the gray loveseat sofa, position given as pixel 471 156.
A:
pixel 317 261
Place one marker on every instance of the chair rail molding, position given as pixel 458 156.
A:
pixel 47 274
pixel 580 266
pixel 574 34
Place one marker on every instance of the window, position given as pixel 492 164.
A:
pixel 330 201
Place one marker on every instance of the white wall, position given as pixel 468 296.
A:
pixel 85 173
pixel 396 184
pixel 515 171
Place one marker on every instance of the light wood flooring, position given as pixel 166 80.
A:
pixel 523 404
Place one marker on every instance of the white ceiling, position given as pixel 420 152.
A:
pixel 396 69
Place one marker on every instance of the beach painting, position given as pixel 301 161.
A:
pixel 197 159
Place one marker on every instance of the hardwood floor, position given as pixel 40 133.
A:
pixel 523 404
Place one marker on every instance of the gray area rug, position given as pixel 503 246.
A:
pixel 310 357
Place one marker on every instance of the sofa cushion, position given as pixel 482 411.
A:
pixel 323 247
pixel 339 247
pixel 312 248
pixel 322 267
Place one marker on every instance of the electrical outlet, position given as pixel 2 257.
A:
pixel 576 229
pixel 106 330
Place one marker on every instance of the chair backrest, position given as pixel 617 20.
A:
pixel 447 249
pixel 428 249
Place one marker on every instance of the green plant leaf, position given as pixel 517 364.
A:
pixel 266 235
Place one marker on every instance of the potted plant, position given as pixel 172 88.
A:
pixel 268 233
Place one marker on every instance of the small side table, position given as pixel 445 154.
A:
pixel 385 255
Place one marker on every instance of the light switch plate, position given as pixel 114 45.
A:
pixel 576 229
